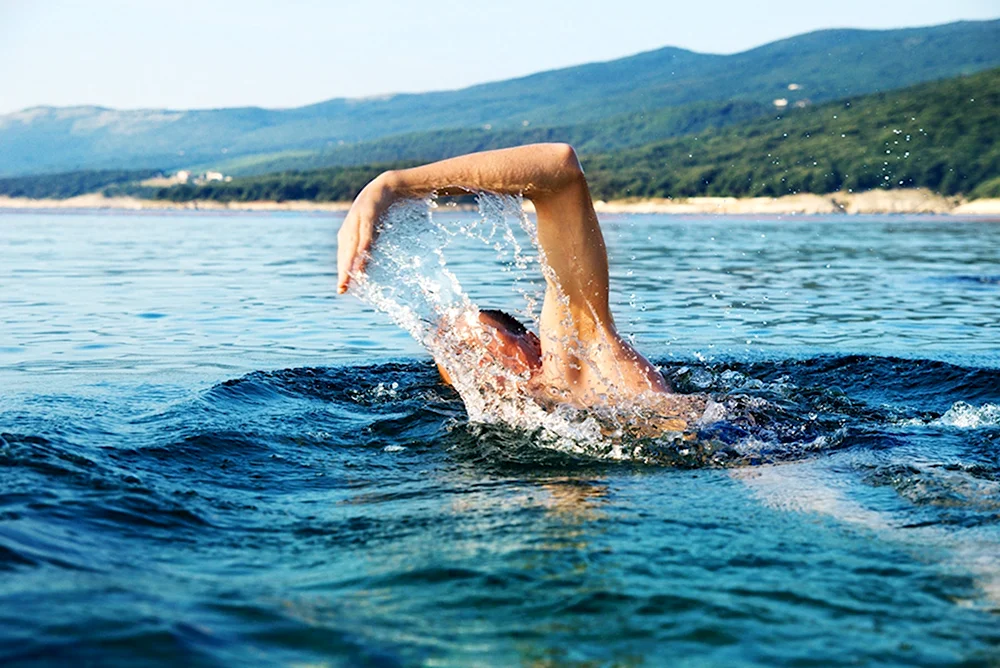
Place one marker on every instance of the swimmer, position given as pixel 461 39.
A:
pixel 578 356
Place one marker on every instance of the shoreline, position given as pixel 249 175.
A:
pixel 914 201
pixel 870 202
pixel 97 202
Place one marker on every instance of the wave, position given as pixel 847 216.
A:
pixel 767 411
pixel 980 279
pixel 316 455
pixel 764 411
pixel 96 485
pixel 966 416
pixel 873 380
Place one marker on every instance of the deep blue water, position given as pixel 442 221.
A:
pixel 207 458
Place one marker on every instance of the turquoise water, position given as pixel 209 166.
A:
pixel 207 458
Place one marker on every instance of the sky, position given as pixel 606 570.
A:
pixel 183 54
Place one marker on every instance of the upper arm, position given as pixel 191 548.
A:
pixel 571 242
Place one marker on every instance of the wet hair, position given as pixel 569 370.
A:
pixel 506 319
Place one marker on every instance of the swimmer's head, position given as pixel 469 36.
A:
pixel 504 340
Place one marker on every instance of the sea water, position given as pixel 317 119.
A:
pixel 206 457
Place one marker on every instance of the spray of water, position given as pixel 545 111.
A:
pixel 408 279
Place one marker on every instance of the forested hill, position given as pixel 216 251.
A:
pixel 942 135
pixel 71 184
pixel 821 66
pixel 615 132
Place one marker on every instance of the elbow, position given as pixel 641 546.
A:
pixel 564 165
pixel 389 178
pixel 567 161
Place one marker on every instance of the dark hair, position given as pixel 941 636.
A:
pixel 506 319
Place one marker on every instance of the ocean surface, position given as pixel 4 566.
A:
pixel 207 458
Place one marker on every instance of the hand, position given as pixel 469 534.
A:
pixel 358 229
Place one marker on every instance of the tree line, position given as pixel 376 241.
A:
pixel 942 136
pixel 70 184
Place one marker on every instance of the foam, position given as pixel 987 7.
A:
pixel 963 415
pixel 408 279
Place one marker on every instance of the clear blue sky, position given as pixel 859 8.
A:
pixel 183 54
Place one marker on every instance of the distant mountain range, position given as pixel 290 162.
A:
pixel 941 135
pixel 615 104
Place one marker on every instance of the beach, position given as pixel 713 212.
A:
pixel 96 201
pixel 910 201
pixel 870 202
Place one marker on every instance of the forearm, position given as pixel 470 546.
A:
pixel 536 172
pixel 547 174
pixel 550 176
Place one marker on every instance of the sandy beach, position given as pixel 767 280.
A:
pixel 97 201
pixel 871 202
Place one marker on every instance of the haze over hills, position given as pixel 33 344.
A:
pixel 613 132
pixel 681 91
pixel 941 135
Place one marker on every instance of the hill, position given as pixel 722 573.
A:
pixel 822 66
pixel 607 134
pixel 70 184
pixel 941 135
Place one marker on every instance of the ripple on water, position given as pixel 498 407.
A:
pixel 163 502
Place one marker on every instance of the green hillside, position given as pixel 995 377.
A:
pixel 942 135
pixel 622 131
pixel 70 184
pixel 824 65
pixel 337 184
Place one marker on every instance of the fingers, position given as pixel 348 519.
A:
pixel 363 248
pixel 343 276
pixel 354 241
pixel 346 248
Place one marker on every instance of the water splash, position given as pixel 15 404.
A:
pixel 960 415
pixel 409 279
pixel 963 415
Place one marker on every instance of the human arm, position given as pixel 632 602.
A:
pixel 549 175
